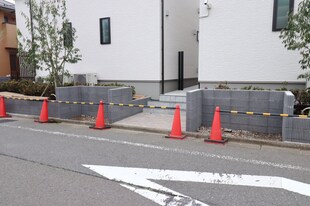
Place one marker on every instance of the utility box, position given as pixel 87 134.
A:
pixel 91 79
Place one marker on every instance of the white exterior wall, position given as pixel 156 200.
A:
pixel 237 44
pixel 135 49
pixel 180 26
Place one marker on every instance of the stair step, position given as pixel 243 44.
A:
pixel 172 98
pixel 162 111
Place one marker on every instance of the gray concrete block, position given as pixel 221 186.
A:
pixel 258 121
pixel 260 129
pixel 259 95
pixel 239 119
pixel 274 130
pixel 259 106
pixel 222 94
pixel 274 121
pixel 240 95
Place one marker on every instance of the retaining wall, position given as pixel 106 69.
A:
pixel 254 101
pixel 201 105
pixel 82 94
pixel 5 79
pixel 294 129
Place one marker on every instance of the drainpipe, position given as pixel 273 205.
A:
pixel 162 49
pixel 31 28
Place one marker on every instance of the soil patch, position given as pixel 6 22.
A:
pixel 243 134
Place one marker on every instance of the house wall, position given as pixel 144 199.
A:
pixel 134 54
pixel 237 44
pixel 7 40
pixel 181 21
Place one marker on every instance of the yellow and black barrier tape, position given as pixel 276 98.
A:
pixel 266 114
pixel 93 103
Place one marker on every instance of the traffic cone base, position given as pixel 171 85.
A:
pixel 223 141
pixel 175 137
pixel 5 116
pixel 100 128
pixel 42 122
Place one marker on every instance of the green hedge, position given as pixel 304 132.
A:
pixel 27 87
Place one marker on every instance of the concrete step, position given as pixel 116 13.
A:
pixel 162 111
pixel 172 98
pixel 167 104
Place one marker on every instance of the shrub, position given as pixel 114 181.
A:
pixel 119 85
pixel 27 87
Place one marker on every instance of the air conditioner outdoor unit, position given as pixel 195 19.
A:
pixel 68 79
pixel 79 79
pixel 91 79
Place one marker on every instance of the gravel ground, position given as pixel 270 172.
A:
pixel 243 134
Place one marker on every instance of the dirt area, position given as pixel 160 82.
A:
pixel 138 96
pixel 84 118
pixel 17 95
pixel 243 134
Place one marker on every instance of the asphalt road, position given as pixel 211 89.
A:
pixel 42 164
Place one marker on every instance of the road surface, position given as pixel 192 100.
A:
pixel 67 164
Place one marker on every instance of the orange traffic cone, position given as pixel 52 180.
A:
pixel 216 132
pixel 44 113
pixel 100 124
pixel 176 131
pixel 3 113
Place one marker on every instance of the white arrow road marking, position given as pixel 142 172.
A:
pixel 140 177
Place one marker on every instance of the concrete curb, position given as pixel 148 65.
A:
pixel 292 145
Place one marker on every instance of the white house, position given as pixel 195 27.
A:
pixel 134 42
pixel 239 43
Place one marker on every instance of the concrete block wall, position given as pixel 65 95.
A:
pixel 294 129
pixel 247 101
pixel 123 95
pixel 82 94
pixel 5 79
pixel 193 110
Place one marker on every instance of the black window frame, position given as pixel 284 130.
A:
pixel 101 30
pixel 275 13
pixel 68 35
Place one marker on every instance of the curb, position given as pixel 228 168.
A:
pixel 291 145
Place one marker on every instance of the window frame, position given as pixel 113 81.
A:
pixel 275 13
pixel 101 30
pixel 68 36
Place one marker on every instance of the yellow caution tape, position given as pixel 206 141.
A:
pixel 250 113
pixel 266 114
pixel 234 112
pixel 303 116
pixel 284 115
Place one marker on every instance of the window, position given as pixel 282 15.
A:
pixel 105 31
pixel 5 19
pixel 281 11
pixel 68 41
